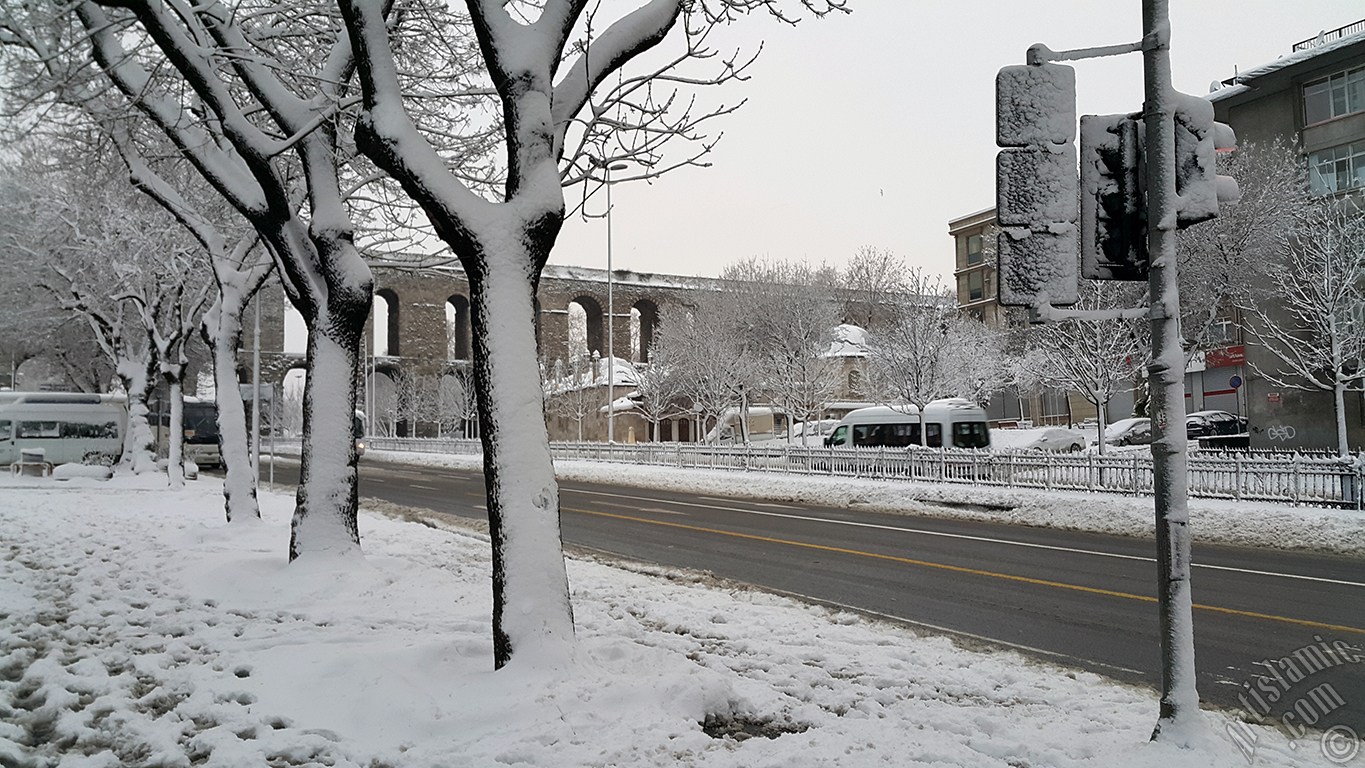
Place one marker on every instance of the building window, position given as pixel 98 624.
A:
pixel 976 288
pixel 1340 94
pixel 975 249
pixel 855 382
pixel 1337 169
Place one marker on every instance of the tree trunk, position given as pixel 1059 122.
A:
pixel 224 333
pixel 175 433
pixel 139 455
pixel 1103 409
pixel 532 616
pixel 327 500
pixel 1339 408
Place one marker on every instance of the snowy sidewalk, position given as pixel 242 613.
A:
pixel 138 629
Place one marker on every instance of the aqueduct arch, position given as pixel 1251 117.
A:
pixel 428 323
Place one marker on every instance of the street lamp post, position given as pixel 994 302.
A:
pixel 256 396
pixel 611 314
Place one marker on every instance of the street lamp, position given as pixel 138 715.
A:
pixel 611 312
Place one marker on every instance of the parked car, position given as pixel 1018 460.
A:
pixel 1134 431
pixel 1213 423
pixel 1056 439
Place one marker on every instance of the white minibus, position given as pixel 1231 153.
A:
pixel 899 426
pixel 67 426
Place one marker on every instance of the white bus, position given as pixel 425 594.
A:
pixel 898 426
pixel 67 426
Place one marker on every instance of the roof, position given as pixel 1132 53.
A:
pixel 983 216
pixel 848 341
pixel 1238 84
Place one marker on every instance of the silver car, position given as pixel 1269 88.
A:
pixel 1134 431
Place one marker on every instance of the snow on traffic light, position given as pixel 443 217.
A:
pixel 1199 188
pixel 1113 181
pixel 1036 187
pixel 1113 210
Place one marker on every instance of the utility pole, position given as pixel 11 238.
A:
pixel 256 395
pixel 1139 184
pixel 1170 461
pixel 611 324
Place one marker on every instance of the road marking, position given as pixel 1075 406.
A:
pixel 975 571
pixel 984 539
pixel 638 508
pixel 656 510
pixel 774 505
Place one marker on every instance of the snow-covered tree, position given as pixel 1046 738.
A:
pixel 457 407
pixel 1095 357
pixel 1228 261
pixel 713 360
pixel 71 355
pixel 551 64
pixel 660 385
pixel 169 321
pixel 787 321
pixel 261 128
pixel 124 341
pixel 871 284
pixel 571 391
pixel 444 401
pixel 1315 329
pixel 237 276
pixel 979 364
pixel 74 101
pixel 927 350
pixel 33 327
pixel 117 262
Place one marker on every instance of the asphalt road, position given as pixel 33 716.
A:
pixel 1080 599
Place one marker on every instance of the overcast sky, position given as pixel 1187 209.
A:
pixel 877 128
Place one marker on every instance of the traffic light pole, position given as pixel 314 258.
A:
pixel 1179 710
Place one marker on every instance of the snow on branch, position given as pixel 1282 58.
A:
pixel 227 170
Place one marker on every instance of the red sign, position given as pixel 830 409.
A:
pixel 1272 397
pixel 1225 357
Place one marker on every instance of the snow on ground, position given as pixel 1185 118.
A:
pixel 1244 523
pixel 139 629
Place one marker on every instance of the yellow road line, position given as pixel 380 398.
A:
pixel 972 571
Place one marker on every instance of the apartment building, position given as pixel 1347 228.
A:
pixel 1313 99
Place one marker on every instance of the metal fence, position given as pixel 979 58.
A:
pixel 1293 478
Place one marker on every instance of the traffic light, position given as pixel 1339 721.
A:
pixel 1035 182
pixel 1198 187
pixel 1113 184
pixel 1113 207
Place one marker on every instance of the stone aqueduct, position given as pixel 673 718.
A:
pixel 428 330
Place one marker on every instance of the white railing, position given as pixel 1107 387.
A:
pixel 449 445
pixel 1294 478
